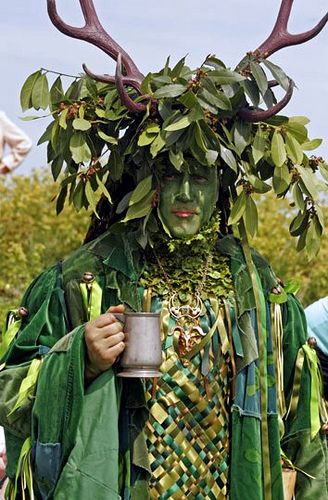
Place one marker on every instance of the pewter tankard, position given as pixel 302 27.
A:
pixel 142 355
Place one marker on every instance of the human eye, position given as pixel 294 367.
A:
pixel 200 179
pixel 171 175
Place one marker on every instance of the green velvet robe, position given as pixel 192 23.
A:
pixel 90 442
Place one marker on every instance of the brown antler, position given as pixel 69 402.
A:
pixel 251 115
pixel 278 39
pixel 94 33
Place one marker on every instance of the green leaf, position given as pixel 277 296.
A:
pixel 172 90
pixel 218 100
pixel 30 118
pixel 238 208
pixel 81 124
pixel 116 165
pixel 56 93
pixel 323 167
pixel 251 217
pixel 78 195
pixel 298 196
pixel 101 113
pixel 142 189
pixel 176 71
pixel 91 197
pixel 140 209
pixel 281 179
pixel 26 92
pixel 198 135
pixel 40 93
pixel 61 199
pixel 297 130
pixel 258 185
pixel 225 76
pixel 146 138
pixel 301 241
pixel 189 100
pixel 312 242
pixel 278 74
pixel 176 159
pixel 180 123
pixel 299 223
pixel 157 145
pixel 107 138
pixel 252 91
pixel 242 135
pixel 302 120
pixel 278 150
pixel 309 180
pixel 228 157
pixel 310 145
pixel 278 298
pixel 293 149
pixel 79 148
pixel 211 156
pixel 292 286
pixel 56 167
pixel 103 189
pixel 63 119
pixel 260 77
pixel 259 145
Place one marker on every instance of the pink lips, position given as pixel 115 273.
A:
pixel 184 214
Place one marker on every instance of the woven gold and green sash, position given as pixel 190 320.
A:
pixel 188 429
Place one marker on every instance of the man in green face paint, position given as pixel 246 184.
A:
pixel 194 431
pixel 187 198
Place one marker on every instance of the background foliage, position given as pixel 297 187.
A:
pixel 275 243
pixel 33 237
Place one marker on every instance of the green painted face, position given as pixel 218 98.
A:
pixel 187 198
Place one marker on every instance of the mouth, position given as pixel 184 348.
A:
pixel 183 213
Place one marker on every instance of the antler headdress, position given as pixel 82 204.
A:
pixel 94 33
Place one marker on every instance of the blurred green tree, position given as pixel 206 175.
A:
pixel 32 236
pixel 275 243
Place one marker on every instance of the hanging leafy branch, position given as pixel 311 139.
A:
pixel 93 140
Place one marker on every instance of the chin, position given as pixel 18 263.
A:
pixel 184 232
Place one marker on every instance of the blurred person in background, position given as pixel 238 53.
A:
pixel 16 140
pixel 317 321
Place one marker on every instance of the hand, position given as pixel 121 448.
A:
pixel 104 338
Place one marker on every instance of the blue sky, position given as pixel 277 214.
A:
pixel 150 31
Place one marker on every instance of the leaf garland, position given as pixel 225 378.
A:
pixel 93 139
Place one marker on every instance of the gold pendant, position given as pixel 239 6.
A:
pixel 187 323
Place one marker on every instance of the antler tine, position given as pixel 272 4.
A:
pixel 130 81
pixel 280 37
pixel 135 107
pixel 94 33
pixel 250 115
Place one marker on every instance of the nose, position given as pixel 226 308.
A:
pixel 184 192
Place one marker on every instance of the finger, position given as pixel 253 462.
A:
pixel 113 340
pixel 112 329
pixel 103 320
pixel 120 308
pixel 114 352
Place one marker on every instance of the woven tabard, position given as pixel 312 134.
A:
pixel 188 429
